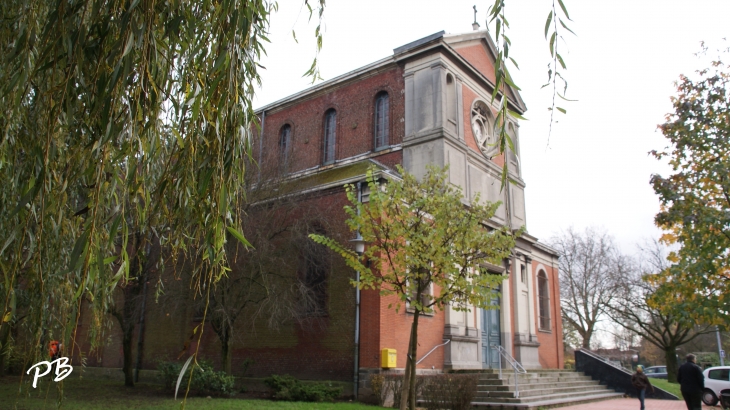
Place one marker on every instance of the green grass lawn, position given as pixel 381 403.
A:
pixel 88 394
pixel 665 385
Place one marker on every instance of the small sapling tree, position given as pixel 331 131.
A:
pixel 425 247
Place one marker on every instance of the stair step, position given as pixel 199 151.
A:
pixel 542 390
pixel 536 382
pixel 548 403
pixel 524 395
pixel 538 388
pixel 532 376
pixel 553 396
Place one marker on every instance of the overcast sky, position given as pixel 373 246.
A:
pixel 594 169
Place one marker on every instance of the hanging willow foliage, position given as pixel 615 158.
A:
pixel 118 118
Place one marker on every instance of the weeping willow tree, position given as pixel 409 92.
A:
pixel 118 118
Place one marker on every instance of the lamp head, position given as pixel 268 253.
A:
pixel 359 244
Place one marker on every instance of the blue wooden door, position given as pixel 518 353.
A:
pixel 491 336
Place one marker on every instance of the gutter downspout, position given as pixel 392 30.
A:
pixel 357 316
pixel 261 142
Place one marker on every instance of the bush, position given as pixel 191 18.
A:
pixel 169 372
pixel 206 381
pixel 389 386
pixel 449 391
pixel 288 388
pixel 377 383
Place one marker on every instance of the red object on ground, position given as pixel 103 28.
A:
pixel 54 349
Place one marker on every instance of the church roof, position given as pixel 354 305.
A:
pixel 457 46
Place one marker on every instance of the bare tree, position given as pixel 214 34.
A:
pixel 281 275
pixel 278 277
pixel 591 268
pixel 665 328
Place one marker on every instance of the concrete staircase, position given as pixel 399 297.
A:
pixel 538 389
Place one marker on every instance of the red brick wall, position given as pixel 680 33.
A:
pixel 309 348
pixel 478 56
pixel 354 102
pixel 551 343
pixel 395 328
pixel 370 317
pixel 383 328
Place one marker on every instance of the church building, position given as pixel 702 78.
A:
pixel 429 103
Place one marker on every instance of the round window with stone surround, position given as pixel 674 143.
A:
pixel 482 125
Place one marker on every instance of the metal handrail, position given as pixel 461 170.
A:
pixel 603 359
pixel 516 366
pixel 434 348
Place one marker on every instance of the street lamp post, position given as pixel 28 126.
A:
pixel 359 244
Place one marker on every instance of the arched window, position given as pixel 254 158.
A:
pixel 330 126
pixel 382 122
pixel 451 103
pixel 284 143
pixel 314 276
pixel 544 298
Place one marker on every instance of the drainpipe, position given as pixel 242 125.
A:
pixel 357 314
pixel 261 142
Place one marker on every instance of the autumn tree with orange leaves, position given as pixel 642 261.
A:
pixel 695 198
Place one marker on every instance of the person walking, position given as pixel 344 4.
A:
pixel 691 383
pixel 641 382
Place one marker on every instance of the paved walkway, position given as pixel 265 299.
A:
pixel 633 404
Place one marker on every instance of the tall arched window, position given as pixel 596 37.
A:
pixel 314 276
pixel 451 104
pixel 544 298
pixel 330 126
pixel 382 122
pixel 284 144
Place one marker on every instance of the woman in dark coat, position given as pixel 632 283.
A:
pixel 641 382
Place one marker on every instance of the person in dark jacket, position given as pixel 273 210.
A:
pixel 691 383
pixel 641 382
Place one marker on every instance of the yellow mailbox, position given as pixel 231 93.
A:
pixel 388 358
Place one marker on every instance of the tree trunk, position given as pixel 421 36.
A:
pixel 4 350
pixel 127 349
pixel 409 379
pixel 140 333
pixel 226 353
pixel 670 359
pixel 587 335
